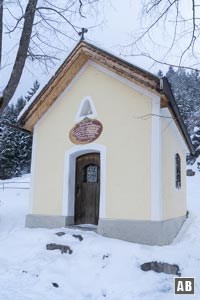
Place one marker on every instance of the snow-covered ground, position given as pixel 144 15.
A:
pixel 99 268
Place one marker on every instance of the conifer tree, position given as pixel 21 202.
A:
pixel 15 145
pixel 196 139
pixel 186 89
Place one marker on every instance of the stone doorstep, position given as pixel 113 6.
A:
pixel 84 227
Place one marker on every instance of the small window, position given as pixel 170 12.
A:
pixel 90 174
pixel 178 170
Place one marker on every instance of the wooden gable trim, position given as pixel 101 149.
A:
pixel 164 102
pixel 122 67
pixel 72 65
pixel 51 93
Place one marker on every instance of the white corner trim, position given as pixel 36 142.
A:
pixel 33 163
pixel 124 80
pixel 170 123
pixel 69 177
pixel 156 162
pixel 93 115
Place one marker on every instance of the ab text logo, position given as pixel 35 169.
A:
pixel 184 286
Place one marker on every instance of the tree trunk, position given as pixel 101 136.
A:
pixel 1 29
pixel 21 54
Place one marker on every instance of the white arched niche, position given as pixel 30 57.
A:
pixel 86 109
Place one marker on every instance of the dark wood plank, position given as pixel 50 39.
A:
pixel 87 193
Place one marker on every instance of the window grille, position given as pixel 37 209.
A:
pixel 178 170
pixel 90 174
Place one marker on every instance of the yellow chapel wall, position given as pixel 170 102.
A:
pixel 174 200
pixel 126 137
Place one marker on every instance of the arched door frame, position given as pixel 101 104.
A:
pixel 69 177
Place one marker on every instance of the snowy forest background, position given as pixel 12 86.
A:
pixel 16 146
pixel 186 88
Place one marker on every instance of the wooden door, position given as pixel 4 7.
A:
pixel 87 189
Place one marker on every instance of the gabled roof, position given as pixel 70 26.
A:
pixel 83 52
pixel 71 66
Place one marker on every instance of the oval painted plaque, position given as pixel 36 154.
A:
pixel 85 131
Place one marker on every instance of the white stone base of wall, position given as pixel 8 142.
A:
pixel 142 232
pixel 47 221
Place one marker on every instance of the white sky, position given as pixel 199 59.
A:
pixel 120 20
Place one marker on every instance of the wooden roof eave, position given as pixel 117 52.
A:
pixel 49 95
pixel 71 67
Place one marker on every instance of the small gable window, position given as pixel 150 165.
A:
pixel 178 170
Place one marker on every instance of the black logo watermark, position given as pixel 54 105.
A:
pixel 184 286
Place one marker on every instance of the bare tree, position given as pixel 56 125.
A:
pixel 1 28
pixel 35 23
pixel 169 33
